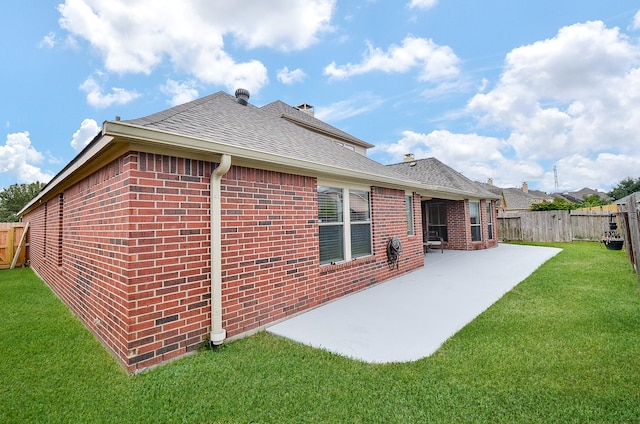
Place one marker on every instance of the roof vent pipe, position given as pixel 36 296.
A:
pixel 242 96
pixel 306 108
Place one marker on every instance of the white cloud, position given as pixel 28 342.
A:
pixel 636 21
pixel 96 97
pixel 479 157
pixel 433 61
pixel 180 92
pixel 572 100
pixel 288 77
pixel 356 105
pixel 602 171
pixel 135 37
pixel 87 132
pixel 422 4
pixel 48 40
pixel 18 158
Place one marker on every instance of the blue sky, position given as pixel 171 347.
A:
pixel 495 89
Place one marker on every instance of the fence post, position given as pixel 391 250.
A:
pixel 10 239
pixel 634 230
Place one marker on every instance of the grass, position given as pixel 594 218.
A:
pixel 563 346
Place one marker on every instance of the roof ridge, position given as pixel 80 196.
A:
pixel 178 109
pixel 310 122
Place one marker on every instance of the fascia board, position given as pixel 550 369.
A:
pixel 118 131
pixel 247 156
pixel 82 159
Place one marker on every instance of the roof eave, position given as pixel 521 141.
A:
pixel 97 145
pixel 157 138
pixel 447 193
pixel 113 131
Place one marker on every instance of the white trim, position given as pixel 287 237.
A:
pixel 326 182
pixel 346 221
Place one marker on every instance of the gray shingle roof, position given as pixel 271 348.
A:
pixel 516 199
pixel 299 117
pixel 432 172
pixel 585 192
pixel 218 117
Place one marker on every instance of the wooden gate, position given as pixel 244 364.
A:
pixel 14 244
pixel 510 228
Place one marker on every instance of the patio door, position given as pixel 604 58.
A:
pixel 434 218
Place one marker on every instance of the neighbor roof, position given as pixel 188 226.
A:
pixel 432 172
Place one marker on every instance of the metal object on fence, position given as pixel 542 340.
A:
pixel 612 239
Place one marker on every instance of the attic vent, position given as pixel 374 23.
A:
pixel 242 96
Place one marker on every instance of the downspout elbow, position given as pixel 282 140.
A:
pixel 218 334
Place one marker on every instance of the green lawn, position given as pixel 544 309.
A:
pixel 563 346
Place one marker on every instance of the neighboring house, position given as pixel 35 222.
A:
pixel 582 194
pixel 216 218
pixel 460 210
pixel 516 199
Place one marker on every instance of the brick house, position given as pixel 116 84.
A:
pixel 460 210
pixel 213 219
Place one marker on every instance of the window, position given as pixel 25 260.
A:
pixel 474 213
pixel 344 219
pixel 437 219
pixel 490 220
pixel 409 201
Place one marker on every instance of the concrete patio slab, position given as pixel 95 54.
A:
pixel 409 317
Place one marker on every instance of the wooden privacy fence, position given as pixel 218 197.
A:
pixel 553 226
pixel 14 244
pixel 630 227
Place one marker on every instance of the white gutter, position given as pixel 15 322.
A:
pixel 218 334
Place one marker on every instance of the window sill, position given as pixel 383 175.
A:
pixel 346 264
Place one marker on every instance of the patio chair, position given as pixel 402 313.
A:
pixel 433 239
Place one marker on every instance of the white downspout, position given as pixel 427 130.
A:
pixel 218 334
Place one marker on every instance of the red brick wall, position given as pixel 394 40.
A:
pixel 269 247
pixel 135 261
pixel 388 212
pixel 78 247
pixel 169 278
pixel 458 228
pixel 271 254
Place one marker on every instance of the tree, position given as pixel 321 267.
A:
pixel 559 203
pixel 624 188
pixel 14 198
pixel 591 201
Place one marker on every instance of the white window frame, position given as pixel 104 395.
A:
pixel 490 219
pixel 478 224
pixel 346 221
pixel 411 225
